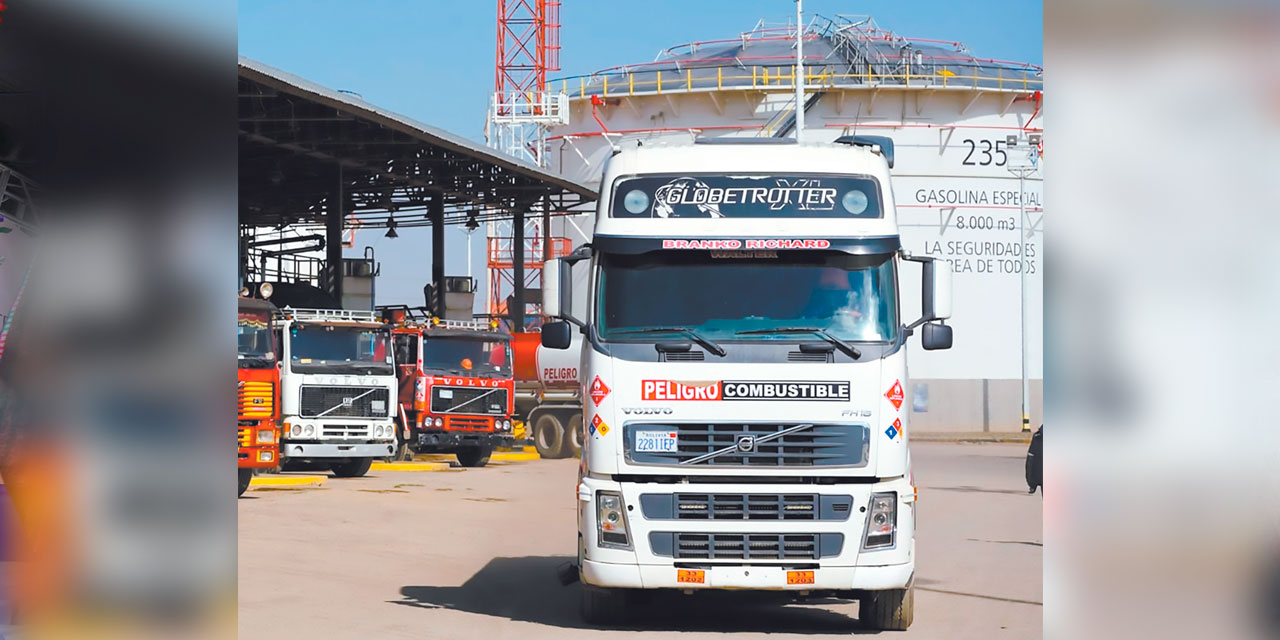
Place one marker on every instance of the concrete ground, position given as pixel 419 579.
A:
pixel 474 553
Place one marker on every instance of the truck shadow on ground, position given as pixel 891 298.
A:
pixel 527 589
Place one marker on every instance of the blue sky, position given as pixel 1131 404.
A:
pixel 432 60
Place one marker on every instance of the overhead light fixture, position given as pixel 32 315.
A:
pixel 472 223
pixel 391 228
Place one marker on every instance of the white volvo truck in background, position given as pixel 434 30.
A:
pixel 744 375
pixel 337 389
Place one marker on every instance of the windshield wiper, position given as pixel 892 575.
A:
pixel 693 335
pixel 849 349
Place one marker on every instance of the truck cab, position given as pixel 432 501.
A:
pixel 337 389
pixel 456 387
pixel 744 375
pixel 257 391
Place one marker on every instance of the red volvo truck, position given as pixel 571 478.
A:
pixel 455 385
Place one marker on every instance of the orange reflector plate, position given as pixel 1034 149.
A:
pixel 799 577
pixel 693 576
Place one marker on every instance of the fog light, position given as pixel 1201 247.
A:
pixel 266 456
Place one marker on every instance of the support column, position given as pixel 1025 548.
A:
pixel 332 280
pixel 516 312
pixel 435 210
pixel 547 252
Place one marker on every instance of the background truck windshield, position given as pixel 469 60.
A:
pixel 852 297
pixel 466 357
pixel 254 341
pixel 339 349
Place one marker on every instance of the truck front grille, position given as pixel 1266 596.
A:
pixel 256 400
pixel 474 400
pixel 819 445
pixel 468 423
pixel 739 506
pixel 344 402
pixel 746 546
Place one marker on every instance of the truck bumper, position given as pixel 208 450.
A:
pixel 318 450
pixel 870 578
pixel 453 440
pixel 837 558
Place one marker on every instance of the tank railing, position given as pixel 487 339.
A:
pixel 776 77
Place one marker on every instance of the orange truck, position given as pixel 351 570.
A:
pixel 455 386
pixel 258 378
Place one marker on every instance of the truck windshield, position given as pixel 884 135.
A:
pixel 255 349
pixel 853 298
pixel 467 357
pixel 339 349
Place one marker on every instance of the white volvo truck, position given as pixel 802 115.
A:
pixel 744 375
pixel 337 389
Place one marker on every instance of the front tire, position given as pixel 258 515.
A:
pixel 602 606
pixel 548 435
pixel 474 456
pixel 891 610
pixel 351 468
pixel 246 476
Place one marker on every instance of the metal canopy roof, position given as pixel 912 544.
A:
pixel 295 134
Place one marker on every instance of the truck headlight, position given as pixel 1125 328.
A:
pixel 266 436
pixel 309 430
pixel 296 430
pixel 377 431
pixel 611 520
pixel 882 521
pixel 439 422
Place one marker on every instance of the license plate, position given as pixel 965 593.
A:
pixel 658 441
pixel 799 577
pixel 691 576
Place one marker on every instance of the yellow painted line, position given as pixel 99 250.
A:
pixel 433 457
pixel 514 456
pixel 266 482
pixel 410 466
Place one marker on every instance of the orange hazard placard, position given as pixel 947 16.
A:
pixel 799 577
pixel 692 576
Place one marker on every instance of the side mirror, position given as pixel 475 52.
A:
pixel 558 335
pixel 551 302
pixel 935 336
pixel 936 291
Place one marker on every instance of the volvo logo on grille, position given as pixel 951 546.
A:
pixel 348 402
pixel 746 444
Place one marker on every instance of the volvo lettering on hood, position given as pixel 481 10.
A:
pixel 726 390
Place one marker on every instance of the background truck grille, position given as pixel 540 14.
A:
pixel 468 423
pixel 256 400
pixel 244 437
pixel 819 445
pixel 464 400
pixel 739 506
pixel 349 431
pixel 746 546
pixel 334 400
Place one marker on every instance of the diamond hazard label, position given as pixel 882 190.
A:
pixel 894 394
pixel 598 390
pixel 897 425
pixel 598 426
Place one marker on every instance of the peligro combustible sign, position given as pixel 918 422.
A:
pixel 758 390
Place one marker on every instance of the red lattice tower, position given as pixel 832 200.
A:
pixel 528 45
